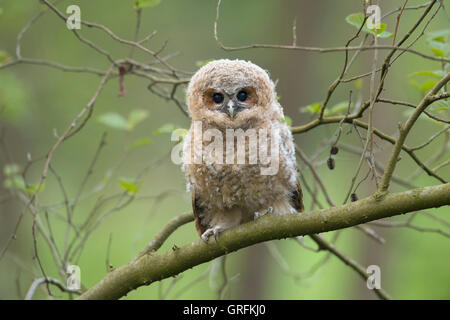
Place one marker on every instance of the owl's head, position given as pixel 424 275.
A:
pixel 231 93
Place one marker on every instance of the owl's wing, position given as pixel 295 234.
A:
pixel 297 198
pixel 198 212
pixel 288 147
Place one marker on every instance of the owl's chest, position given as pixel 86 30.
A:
pixel 225 186
pixel 260 172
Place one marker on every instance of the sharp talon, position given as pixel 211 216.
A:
pixel 209 232
pixel 216 232
pixel 205 236
pixel 258 214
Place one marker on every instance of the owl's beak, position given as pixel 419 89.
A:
pixel 231 109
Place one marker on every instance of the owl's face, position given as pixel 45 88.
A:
pixel 232 101
pixel 232 93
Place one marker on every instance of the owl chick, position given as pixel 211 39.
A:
pixel 228 100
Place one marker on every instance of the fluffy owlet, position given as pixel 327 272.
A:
pixel 239 155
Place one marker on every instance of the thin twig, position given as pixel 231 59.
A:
pixel 36 283
pixel 324 245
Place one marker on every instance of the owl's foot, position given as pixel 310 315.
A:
pixel 211 231
pixel 259 214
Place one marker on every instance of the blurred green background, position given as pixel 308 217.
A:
pixel 41 100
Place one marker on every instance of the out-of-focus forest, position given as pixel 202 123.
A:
pixel 38 102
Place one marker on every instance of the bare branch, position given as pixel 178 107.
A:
pixel 36 283
pixel 324 245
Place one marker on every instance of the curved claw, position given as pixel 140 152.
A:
pixel 258 214
pixel 211 231
pixel 205 235
pixel 216 232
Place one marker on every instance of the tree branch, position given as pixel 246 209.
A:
pixel 36 283
pixel 154 266
pixel 404 130
pixel 162 235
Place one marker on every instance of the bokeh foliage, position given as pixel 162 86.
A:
pixel 40 102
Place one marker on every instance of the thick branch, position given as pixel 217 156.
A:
pixel 154 266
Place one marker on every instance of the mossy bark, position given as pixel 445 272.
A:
pixel 154 266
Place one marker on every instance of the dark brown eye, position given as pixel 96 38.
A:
pixel 242 95
pixel 217 97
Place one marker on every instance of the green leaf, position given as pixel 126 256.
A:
pixel 11 169
pixel 166 128
pixel 129 185
pixel 437 74
pixel 117 121
pixel 139 4
pixel 312 108
pixel 4 57
pixel 439 42
pixel 19 182
pixel 358 84
pixel 424 86
pixel 135 117
pixel 427 85
pixel 438 35
pixel 114 120
pixel 381 28
pixel 287 120
pixel 440 105
pixel 15 182
pixel 140 143
pixel 340 108
pixel 357 19
pixel 385 34
pixel 34 188
pixel 438 52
